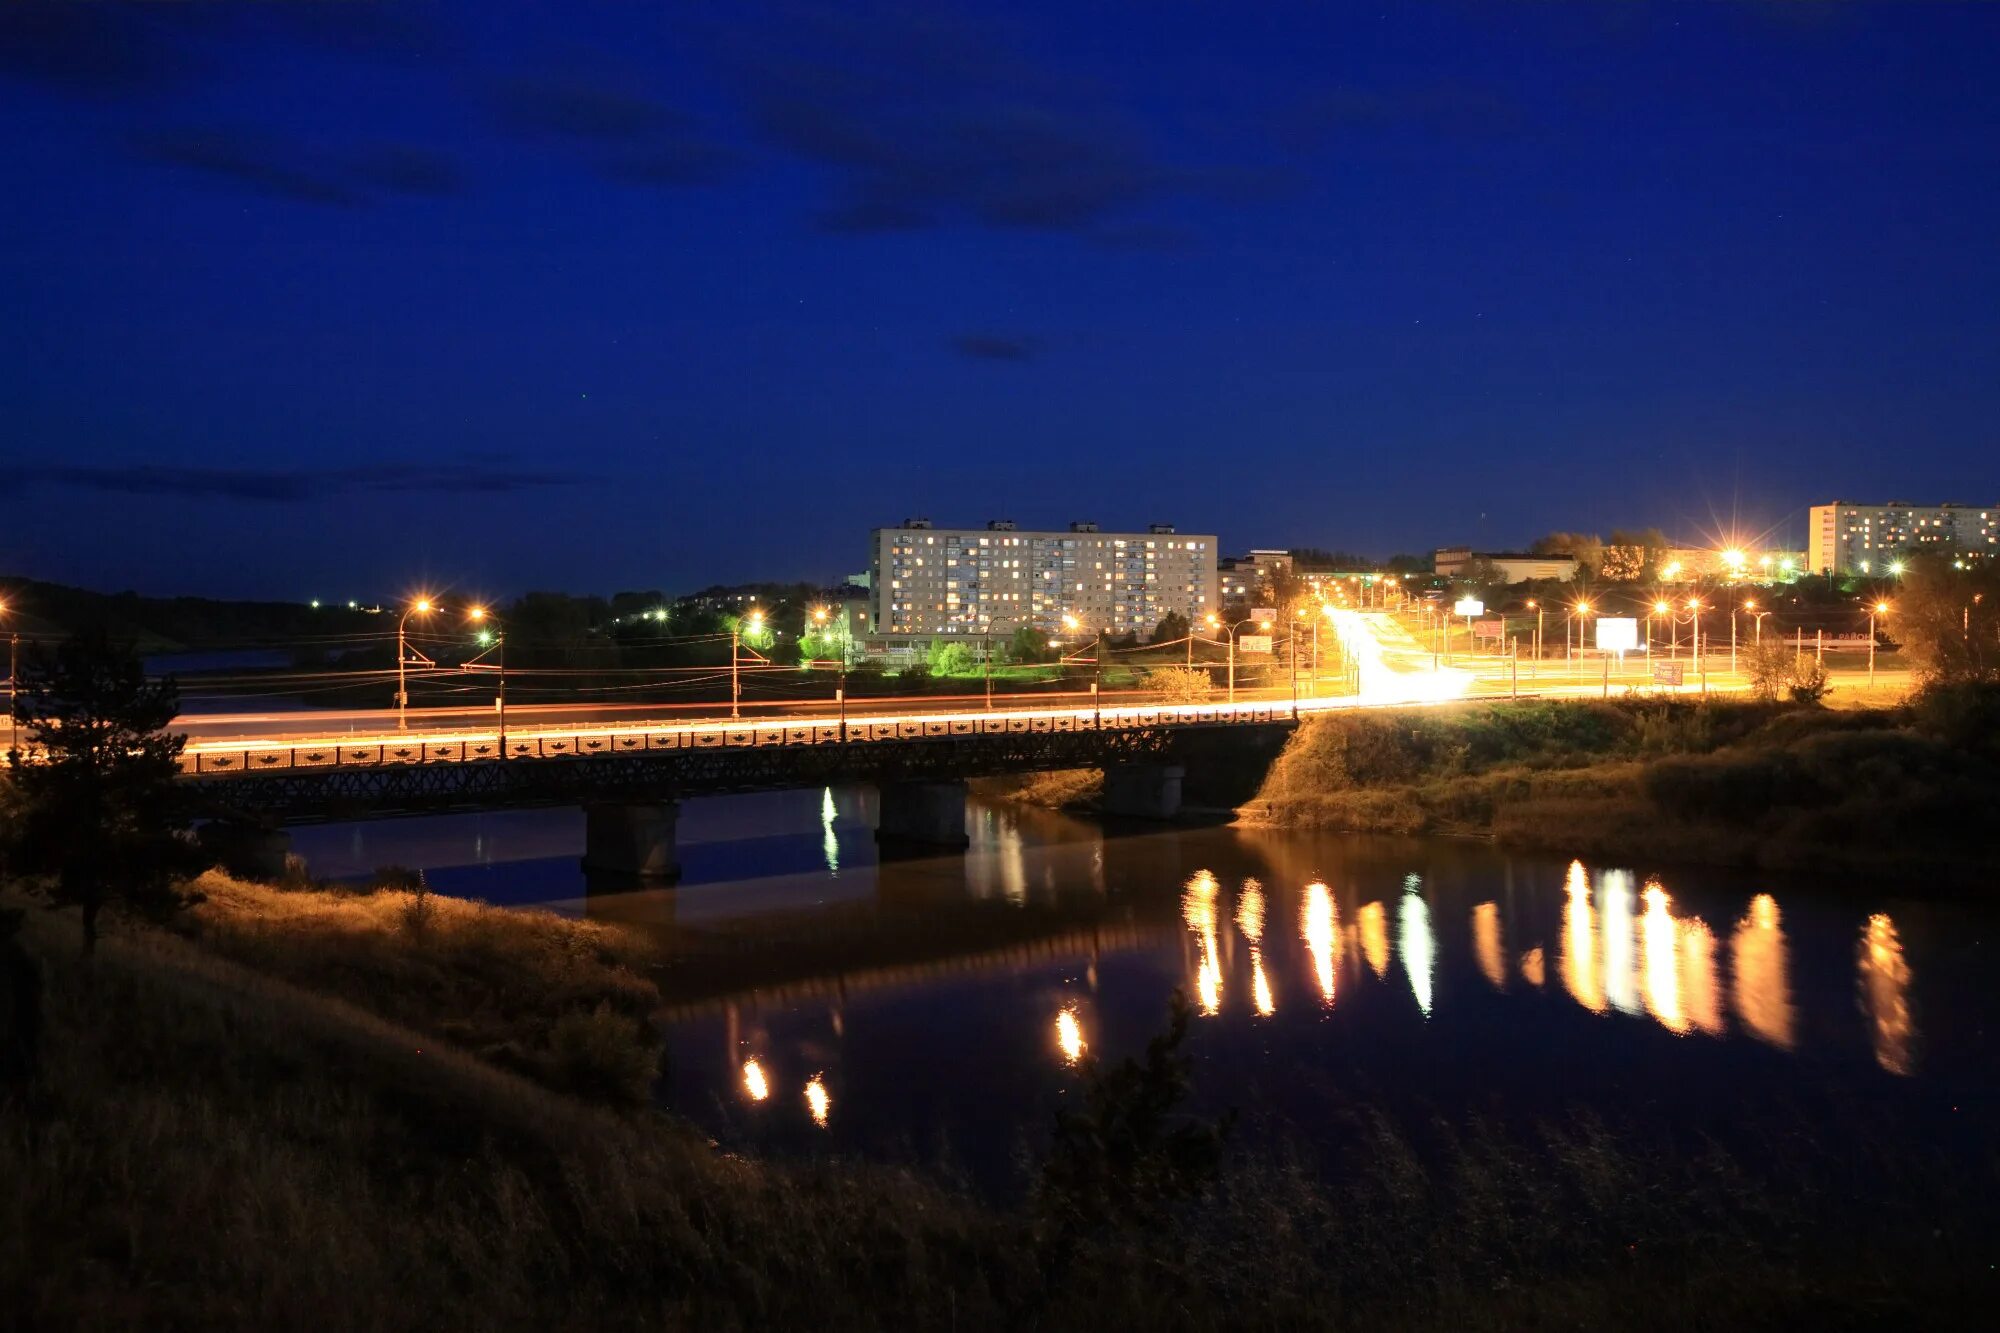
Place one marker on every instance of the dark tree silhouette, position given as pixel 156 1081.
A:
pixel 1173 627
pixel 94 805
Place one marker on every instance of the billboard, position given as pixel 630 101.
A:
pixel 1254 643
pixel 1468 606
pixel 1617 634
pixel 1488 629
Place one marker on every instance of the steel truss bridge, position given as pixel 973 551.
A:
pixel 324 779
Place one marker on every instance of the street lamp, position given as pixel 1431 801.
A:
pixel 13 670
pixel 1072 624
pixel 421 607
pixel 1537 608
pixel 755 620
pixel 1879 609
pixel 1581 613
pixel 1758 616
pixel 986 654
pixel 1700 662
pixel 492 635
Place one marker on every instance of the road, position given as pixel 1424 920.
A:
pixel 1395 669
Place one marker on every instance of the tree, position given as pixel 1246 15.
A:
pixel 1028 645
pixel 831 641
pixel 753 630
pixel 97 808
pixel 1173 627
pixel 1948 621
pixel 1480 572
pixel 1769 665
pixel 1180 684
pixel 950 657
pixel 1587 547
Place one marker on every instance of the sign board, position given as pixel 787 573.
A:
pixel 1667 673
pixel 1617 634
pixel 1254 643
pixel 1468 606
pixel 1488 629
pixel 1263 613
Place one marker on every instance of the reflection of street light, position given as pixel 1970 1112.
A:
pixel 13 668
pixel 421 607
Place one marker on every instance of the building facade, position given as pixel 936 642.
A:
pixel 1513 566
pixel 1845 538
pixel 996 579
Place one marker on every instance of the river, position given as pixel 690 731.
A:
pixel 823 999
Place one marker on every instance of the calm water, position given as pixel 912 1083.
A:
pixel 824 999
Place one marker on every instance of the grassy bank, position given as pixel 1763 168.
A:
pixel 294 1114
pixel 1774 786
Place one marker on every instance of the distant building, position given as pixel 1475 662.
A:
pixel 1246 582
pixel 1450 562
pixel 927 580
pixel 1845 538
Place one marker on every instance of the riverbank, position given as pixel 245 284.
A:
pixel 352 1110
pixel 1899 791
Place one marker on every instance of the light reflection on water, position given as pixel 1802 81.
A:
pixel 842 1000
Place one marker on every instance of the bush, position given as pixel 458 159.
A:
pixel 1675 729
pixel 1180 684
pixel 601 1055
pixel 1769 666
pixel 1808 682
pixel 1731 788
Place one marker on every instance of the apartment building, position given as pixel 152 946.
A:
pixel 929 580
pixel 1844 538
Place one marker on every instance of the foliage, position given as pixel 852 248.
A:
pixel 599 1055
pixel 1768 663
pixel 752 630
pixel 828 641
pixel 914 678
pixel 1029 646
pixel 1128 1155
pixel 1587 547
pixel 1173 627
pixel 1807 683
pixel 1179 684
pixel 98 809
pixel 1480 573
pixel 951 657
pixel 1948 621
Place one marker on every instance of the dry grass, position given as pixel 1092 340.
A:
pixel 520 988
pixel 1062 789
pixel 208 1145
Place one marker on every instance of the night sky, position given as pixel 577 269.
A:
pixel 336 299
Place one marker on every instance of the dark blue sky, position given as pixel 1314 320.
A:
pixel 331 299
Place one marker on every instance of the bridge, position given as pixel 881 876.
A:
pixel 630 779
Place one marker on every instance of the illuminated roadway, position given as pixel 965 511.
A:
pixel 1393 668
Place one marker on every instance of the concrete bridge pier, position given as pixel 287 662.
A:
pixel 1142 791
pixel 248 851
pixel 925 814
pixel 632 840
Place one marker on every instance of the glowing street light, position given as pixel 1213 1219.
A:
pixel 755 620
pixel 13 670
pixel 1879 609
pixel 1751 607
pixel 421 607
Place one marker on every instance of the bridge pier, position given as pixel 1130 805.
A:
pixel 632 839
pixel 248 851
pixel 1142 791
pixel 928 814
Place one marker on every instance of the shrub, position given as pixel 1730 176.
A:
pixel 1180 684
pixel 1769 666
pixel 602 1055
pixel 1675 729
pixel 1808 682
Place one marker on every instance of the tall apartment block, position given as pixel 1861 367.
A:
pixel 927 580
pixel 1845 538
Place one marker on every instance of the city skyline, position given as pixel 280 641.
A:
pixel 391 297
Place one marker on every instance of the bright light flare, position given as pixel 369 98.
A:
pixel 1069 1036
pixel 754 1081
pixel 818 1102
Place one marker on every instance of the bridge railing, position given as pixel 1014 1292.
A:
pixel 249 761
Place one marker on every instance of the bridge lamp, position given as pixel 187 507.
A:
pixel 756 620
pixel 1895 567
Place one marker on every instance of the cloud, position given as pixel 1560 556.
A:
pixel 96 50
pixel 256 164
pixel 1446 110
pixel 575 109
pixel 994 347
pixel 407 170
pixel 923 121
pixel 290 487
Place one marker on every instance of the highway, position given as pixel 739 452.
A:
pixel 1394 670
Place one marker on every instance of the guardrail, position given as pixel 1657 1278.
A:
pixel 210 762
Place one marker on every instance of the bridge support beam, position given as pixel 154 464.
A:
pixel 248 851
pixel 631 839
pixel 1142 791
pixel 925 814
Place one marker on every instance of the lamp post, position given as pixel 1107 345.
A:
pixel 421 607
pixel 1230 632
pixel 496 637
pixel 986 653
pixel 1700 661
pixel 1879 609
pixel 1758 617
pixel 13 687
pixel 1581 614
pixel 1536 606
pixel 756 622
